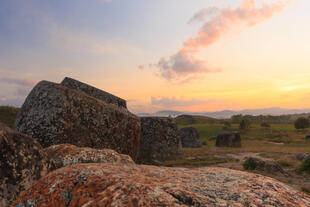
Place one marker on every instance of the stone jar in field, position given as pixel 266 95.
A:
pixel 190 137
pixel 228 139
pixel 56 114
pixel 159 139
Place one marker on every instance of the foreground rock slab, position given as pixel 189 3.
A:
pixel 120 185
pixel 55 114
pixel 22 161
pixel 228 139
pixel 159 139
pixel 67 154
pixel 190 137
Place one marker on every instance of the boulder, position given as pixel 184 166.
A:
pixel 67 154
pixel 94 92
pixel 228 139
pixel 190 137
pixel 263 165
pixel 299 156
pixel 22 161
pixel 115 184
pixel 55 114
pixel 159 139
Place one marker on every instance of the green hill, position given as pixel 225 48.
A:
pixel 8 115
pixel 189 119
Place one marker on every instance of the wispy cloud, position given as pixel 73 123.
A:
pixel 18 82
pixel 14 90
pixel 204 14
pixel 166 102
pixel 220 22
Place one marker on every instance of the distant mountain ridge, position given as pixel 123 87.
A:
pixel 275 111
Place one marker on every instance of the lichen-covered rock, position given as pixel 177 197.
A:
pixel 94 92
pixel 55 114
pixel 22 161
pixel 253 163
pixel 67 154
pixel 159 139
pixel 228 139
pixel 114 184
pixel 190 137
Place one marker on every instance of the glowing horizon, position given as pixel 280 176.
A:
pixel 161 55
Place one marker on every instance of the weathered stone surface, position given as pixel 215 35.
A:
pixel 264 165
pixel 67 154
pixel 55 114
pixel 123 185
pixel 94 92
pixel 159 138
pixel 22 161
pixel 228 139
pixel 299 156
pixel 190 137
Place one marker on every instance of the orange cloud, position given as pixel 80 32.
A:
pixel 246 15
pixel 183 63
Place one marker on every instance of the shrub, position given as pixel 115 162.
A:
pixel 265 124
pixel 305 189
pixel 244 124
pixel 227 125
pixel 8 115
pixel 302 123
pixel 249 164
pixel 204 143
pixel 304 166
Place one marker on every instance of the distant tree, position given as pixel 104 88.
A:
pixel 265 124
pixel 302 123
pixel 244 124
pixel 227 125
pixel 236 119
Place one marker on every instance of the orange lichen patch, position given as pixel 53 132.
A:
pixel 117 184
pixel 67 154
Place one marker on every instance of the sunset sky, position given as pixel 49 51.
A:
pixel 190 55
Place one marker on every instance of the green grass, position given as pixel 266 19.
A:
pixel 189 119
pixel 8 115
pixel 249 164
pixel 279 143
pixel 304 166
pixel 208 131
pixel 284 135
pixel 305 189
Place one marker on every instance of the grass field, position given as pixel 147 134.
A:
pixel 279 142
pixel 8 115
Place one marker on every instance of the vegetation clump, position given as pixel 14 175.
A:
pixel 8 115
pixel 249 164
pixel 305 165
pixel 265 124
pixel 204 143
pixel 302 123
pixel 305 189
pixel 244 124
pixel 227 125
